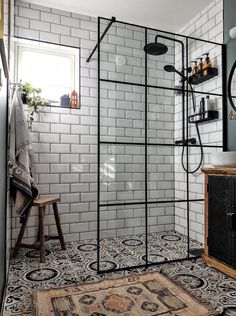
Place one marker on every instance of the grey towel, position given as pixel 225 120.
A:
pixel 22 186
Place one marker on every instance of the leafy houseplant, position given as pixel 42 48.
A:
pixel 31 97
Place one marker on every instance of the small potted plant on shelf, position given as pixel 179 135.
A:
pixel 31 97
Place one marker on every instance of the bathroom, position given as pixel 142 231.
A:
pixel 126 146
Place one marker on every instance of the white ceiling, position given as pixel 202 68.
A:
pixel 168 15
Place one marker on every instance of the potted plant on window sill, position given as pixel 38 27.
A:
pixel 35 103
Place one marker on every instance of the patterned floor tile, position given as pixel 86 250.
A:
pixel 78 264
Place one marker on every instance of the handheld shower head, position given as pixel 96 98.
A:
pixel 170 68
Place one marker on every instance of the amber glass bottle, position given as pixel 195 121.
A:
pixel 195 67
pixel 206 65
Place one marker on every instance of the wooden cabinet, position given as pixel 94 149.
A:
pixel 220 219
pixel 221 206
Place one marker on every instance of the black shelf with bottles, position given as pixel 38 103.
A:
pixel 200 78
pixel 203 117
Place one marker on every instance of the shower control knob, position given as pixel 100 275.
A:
pixel 189 70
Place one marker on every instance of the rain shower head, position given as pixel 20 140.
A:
pixel 155 48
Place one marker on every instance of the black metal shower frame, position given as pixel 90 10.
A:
pixel 146 144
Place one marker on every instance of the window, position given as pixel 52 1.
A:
pixel 53 68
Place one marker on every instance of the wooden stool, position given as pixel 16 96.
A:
pixel 41 203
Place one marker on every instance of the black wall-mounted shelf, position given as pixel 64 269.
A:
pixel 200 78
pixel 208 116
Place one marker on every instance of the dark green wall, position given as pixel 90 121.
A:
pixel 229 22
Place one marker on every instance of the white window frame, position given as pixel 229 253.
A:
pixel 73 53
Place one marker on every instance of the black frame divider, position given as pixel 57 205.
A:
pixel 187 156
pixel 185 90
pixel 146 156
pixel 98 156
pixel 161 87
pixel 225 99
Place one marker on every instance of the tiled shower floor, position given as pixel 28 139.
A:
pixel 77 264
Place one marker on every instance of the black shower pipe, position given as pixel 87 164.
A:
pixel 113 19
pixel 182 89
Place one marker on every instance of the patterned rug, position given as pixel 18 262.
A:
pixel 147 294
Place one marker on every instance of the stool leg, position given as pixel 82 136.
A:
pixel 21 234
pixel 41 234
pixel 38 233
pixel 58 223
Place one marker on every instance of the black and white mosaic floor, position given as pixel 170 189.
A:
pixel 77 264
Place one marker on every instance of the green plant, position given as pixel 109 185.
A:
pixel 31 97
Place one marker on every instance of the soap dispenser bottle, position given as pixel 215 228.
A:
pixel 195 67
pixel 206 65
pixel 202 108
pixel 200 66
pixel 207 105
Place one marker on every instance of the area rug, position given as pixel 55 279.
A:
pixel 147 294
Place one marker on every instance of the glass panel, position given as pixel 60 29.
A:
pixel 164 243
pixel 161 110
pixel 122 236
pixel 157 76
pixel 196 50
pixel 196 220
pixel 210 131
pixel 196 180
pixel 121 174
pixel 122 113
pixel 195 225
pixel 160 173
pixel 122 54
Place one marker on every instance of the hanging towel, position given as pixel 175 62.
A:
pixel 22 186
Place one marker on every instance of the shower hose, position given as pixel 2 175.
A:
pixel 199 139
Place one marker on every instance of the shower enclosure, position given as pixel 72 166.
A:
pixel 150 187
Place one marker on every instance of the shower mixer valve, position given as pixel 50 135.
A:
pixel 192 141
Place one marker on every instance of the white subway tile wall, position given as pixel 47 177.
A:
pixel 207 25
pixel 64 140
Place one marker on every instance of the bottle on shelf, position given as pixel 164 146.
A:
pixel 208 106
pixel 202 108
pixel 195 67
pixel 200 66
pixel 196 116
pixel 206 65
